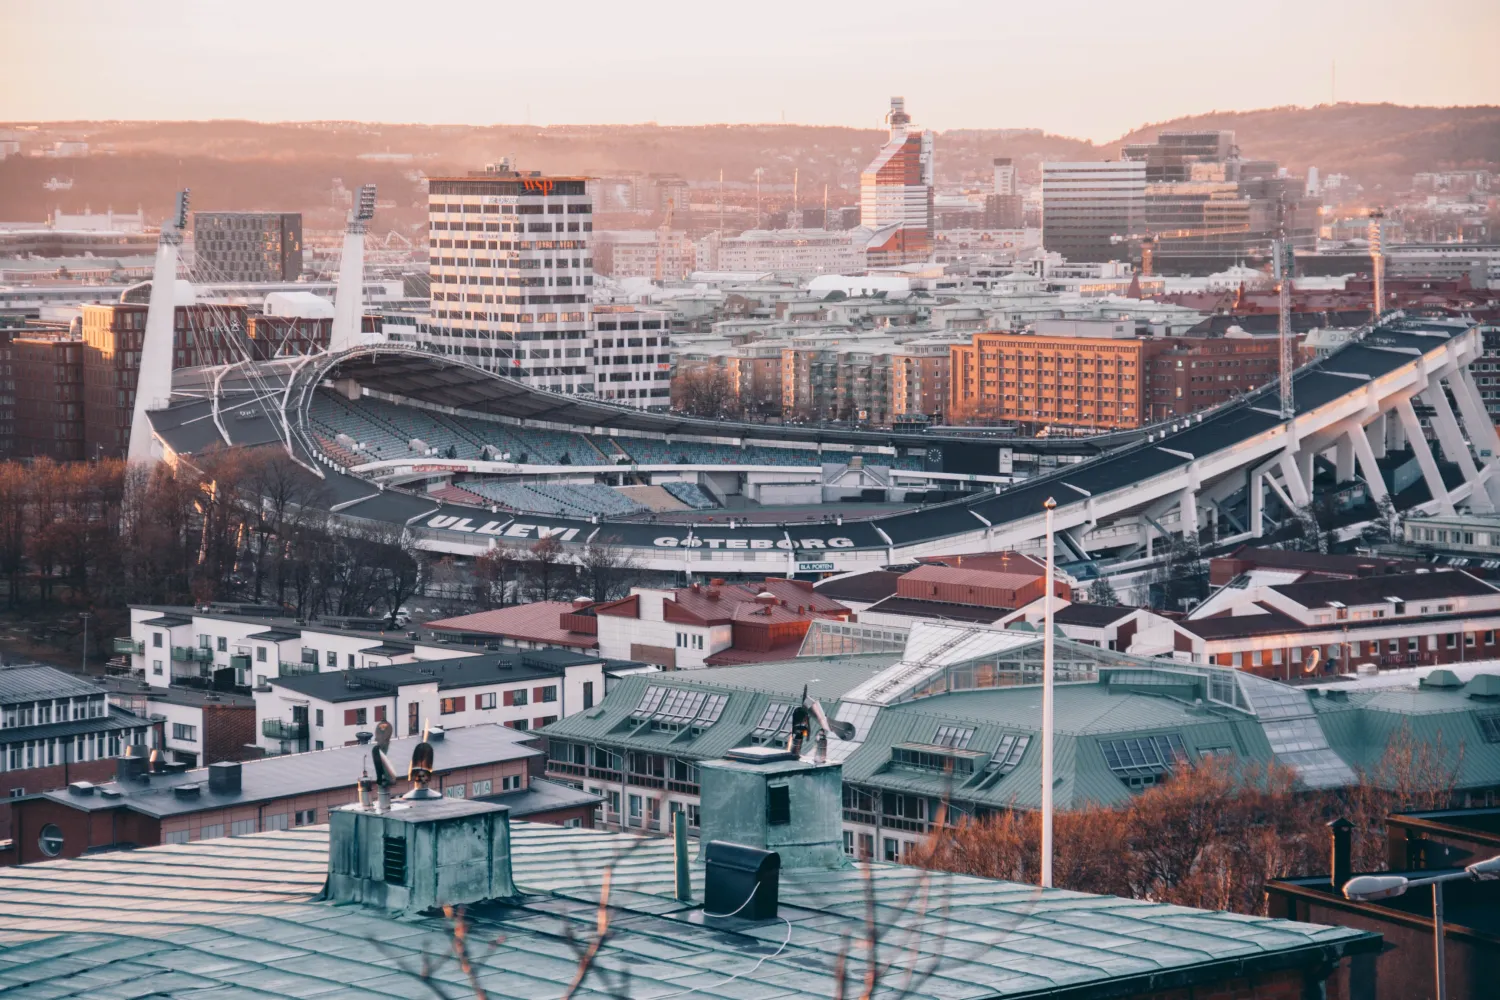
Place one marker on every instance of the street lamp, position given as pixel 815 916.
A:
pixel 1047 713
pixel 1372 887
pixel 85 616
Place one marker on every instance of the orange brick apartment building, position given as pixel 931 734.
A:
pixel 1100 383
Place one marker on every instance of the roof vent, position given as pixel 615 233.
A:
pixel 435 733
pixel 224 777
pixel 111 793
pixel 741 882
pixel 130 768
pixel 1484 687
pixel 187 791
pixel 364 737
pixel 81 788
pixel 768 799
pixel 420 855
pixel 1441 678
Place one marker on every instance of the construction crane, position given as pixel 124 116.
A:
pixel 663 236
pixel 1149 239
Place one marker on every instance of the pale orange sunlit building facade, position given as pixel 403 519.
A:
pixel 1082 382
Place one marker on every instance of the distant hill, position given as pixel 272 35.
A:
pixel 1375 143
pixel 292 166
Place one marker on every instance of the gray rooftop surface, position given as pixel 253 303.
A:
pixel 303 773
pixel 36 681
pixel 237 919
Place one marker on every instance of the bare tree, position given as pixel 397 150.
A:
pixel 705 391
pixel 608 569
pixel 546 567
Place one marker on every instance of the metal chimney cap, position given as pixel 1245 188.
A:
pixel 760 755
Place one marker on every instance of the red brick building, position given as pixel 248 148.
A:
pixel 49 405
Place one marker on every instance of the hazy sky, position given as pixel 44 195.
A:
pixel 1085 68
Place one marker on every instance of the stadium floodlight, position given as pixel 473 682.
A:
pixel 365 210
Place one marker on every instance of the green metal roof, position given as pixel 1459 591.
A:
pixel 237 919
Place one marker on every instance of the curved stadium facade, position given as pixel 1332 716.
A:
pixel 465 459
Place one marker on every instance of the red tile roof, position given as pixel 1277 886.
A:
pixel 537 622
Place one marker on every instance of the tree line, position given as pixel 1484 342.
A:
pixel 1211 836
pixel 235 525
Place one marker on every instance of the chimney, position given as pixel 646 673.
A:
pixel 130 768
pixel 1339 831
pixel 224 778
pixel 420 855
pixel 769 799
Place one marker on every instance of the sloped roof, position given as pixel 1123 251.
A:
pixel 1373 590
pixel 35 681
pixel 238 919
pixel 536 622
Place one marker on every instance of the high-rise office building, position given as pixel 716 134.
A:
pixel 895 194
pixel 512 275
pixel 1091 210
pixel 247 246
pixel 1173 156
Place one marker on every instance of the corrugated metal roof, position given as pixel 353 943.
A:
pixel 35 681
pixel 236 918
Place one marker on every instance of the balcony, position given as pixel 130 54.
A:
pixel 291 668
pixel 192 654
pixel 645 780
pixel 280 729
pixel 565 767
pixel 240 661
pixel 127 646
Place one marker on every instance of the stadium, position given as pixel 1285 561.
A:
pixel 464 459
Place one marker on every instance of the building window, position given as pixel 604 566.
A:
pixel 241 827
pixel 223 644
pixel 588 692
pixel 510 782
pixel 544 694
pixel 892 849
pixel 517 697
pixel 333 658
pixel 482 787
pixel 485 700
pixel 318 716
pixel 213 831
pixel 449 706
pixel 277 822
pixel 544 720
pixel 156 667
pixel 260 654
pixel 156 640
pixel 51 840
pixel 356 716
pixel 305 817
pixel 350 661
pixel 186 733
pixel 175 837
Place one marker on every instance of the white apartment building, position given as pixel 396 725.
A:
pixel 169 644
pixel 795 251
pixel 512 274
pixel 633 356
pixel 520 689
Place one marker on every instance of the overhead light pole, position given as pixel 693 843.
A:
pixel 1372 887
pixel 1047 697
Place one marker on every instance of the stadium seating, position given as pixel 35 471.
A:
pixel 384 430
pixel 691 494
pixel 571 499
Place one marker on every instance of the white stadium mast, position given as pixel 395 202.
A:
pixel 154 382
pixel 348 301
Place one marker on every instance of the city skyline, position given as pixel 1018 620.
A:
pixel 964 65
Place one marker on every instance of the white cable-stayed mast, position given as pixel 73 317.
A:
pixel 348 302
pixel 154 377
